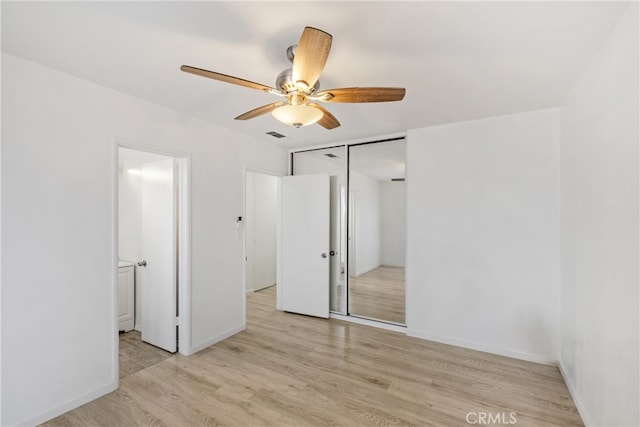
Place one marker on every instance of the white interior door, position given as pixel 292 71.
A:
pixel 158 277
pixel 305 244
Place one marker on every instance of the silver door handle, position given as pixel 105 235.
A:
pixel 324 255
pixel 142 263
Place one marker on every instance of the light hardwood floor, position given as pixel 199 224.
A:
pixel 378 294
pixel 291 370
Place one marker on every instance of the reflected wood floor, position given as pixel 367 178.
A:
pixel 378 294
pixel 291 370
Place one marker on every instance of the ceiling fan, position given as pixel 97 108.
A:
pixel 299 86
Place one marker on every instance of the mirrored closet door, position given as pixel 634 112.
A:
pixel 367 226
pixel 377 231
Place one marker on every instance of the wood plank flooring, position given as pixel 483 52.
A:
pixel 291 370
pixel 379 294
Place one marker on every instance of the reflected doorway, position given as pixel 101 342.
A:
pixel 261 228
pixel 377 222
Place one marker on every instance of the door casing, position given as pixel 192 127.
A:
pixel 183 180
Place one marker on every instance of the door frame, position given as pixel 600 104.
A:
pixel 183 169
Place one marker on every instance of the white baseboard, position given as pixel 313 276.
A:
pixel 209 342
pixel 250 291
pixel 572 391
pixel 529 357
pixel 72 404
pixel 138 328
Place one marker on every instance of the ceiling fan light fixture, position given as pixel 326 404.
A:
pixel 297 115
pixel 300 84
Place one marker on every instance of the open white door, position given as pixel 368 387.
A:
pixel 304 279
pixel 158 277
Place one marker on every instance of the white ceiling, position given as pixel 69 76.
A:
pixel 458 60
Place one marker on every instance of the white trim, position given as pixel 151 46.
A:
pixel 184 255
pixel 349 142
pixel 211 341
pixel 279 245
pixel 134 144
pixel 115 351
pixel 0 252
pixel 368 322
pixel 574 395
pixel 407 258
pixel 529 357
pixel 72 404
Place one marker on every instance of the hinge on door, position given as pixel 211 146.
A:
pixel 177 321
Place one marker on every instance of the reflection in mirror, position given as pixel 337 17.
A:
pixel 332 161
pixel 377 231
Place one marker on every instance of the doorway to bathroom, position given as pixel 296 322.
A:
pixel 152 233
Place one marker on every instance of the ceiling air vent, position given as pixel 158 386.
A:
pixel 333 156
pixel 276 134
pixel 397 179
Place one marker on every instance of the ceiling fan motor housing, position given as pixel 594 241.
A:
pixel 285 83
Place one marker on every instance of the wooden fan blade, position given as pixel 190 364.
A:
pixel 328 120
pixel 311 54
pixel 225 78
pixel 361 94
pixel 260 111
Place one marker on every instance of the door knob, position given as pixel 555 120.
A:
pixel 142 263
pixel 324 255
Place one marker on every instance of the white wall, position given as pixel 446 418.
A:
pixel 393 223
pixel 58 265
pixel 261 228
pixel 600 333
pixel 366 192
pixel 483 234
